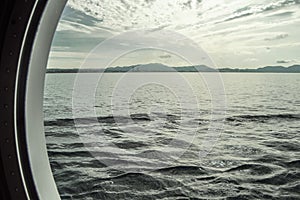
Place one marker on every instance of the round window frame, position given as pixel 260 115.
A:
pixel 28 28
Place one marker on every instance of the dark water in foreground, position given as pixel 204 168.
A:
pixel 147 154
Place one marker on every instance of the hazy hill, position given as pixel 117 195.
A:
pixel 294 68
pixel 158 67
pixel 151 67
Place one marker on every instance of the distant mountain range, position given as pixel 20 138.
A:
pixel 157 67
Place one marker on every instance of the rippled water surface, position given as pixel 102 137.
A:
pixel 140 146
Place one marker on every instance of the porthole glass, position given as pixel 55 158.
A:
pixel 164 99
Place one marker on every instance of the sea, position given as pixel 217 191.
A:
pixel 174 135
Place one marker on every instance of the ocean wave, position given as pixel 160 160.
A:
pixel 138 181
pixel 173 119
pixel 79 154
pixel 69 154
pixel 252 169
pixel 99 119
pixel 127 144
pixel 84 163
pixel 183 170
pixel 258 161
pixel 293 164
pixel 263 118
pixel 226 180
pixel 285 146
pixel 286 177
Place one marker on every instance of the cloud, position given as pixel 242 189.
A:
pixel 283 14
pixel 74 41
pixel 78 32
pixel 238 16
pixel 255 8
pixel 165 56
pixel 283 61
pixel 74 27
pixel 240 29
pixel 287 61
pixel 251 60
pixel 278 37
pixel 159 28
pixel 73 15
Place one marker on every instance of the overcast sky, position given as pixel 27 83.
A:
pixel 234 33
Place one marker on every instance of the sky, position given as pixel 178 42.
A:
pixel 232 33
